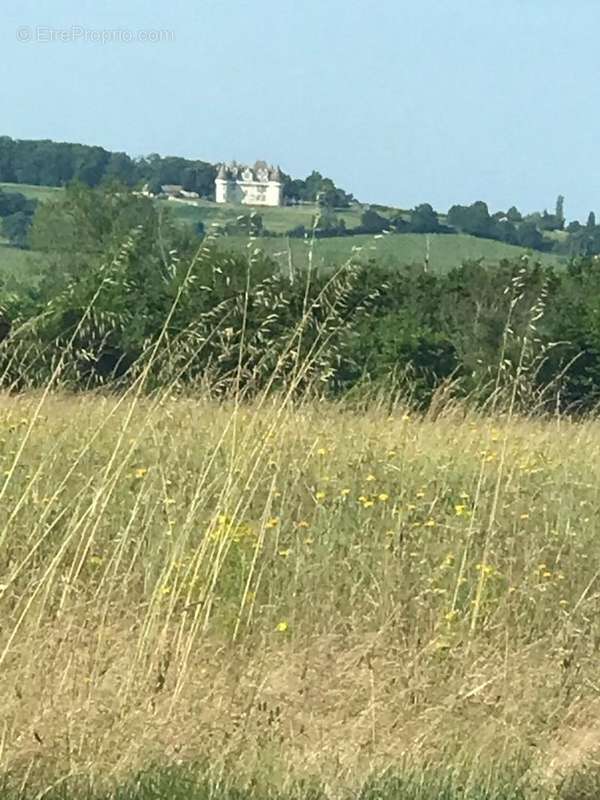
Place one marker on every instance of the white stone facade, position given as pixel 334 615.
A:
pixel 260 185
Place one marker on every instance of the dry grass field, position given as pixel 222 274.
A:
pixel 305 592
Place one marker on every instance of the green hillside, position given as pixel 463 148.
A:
pixel 277 220
pixel 25 266
pixel 445 250
pixel 40 193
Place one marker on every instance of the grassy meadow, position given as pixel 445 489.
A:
pixel 24 266
pixel 40 193
pixel 277 220
pixel 442 251
pixel 297 596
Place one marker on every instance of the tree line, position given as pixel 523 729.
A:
pixel 47 163
pixel 510 227
pixel 16 216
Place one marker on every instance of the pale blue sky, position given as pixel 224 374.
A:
pixel 442 101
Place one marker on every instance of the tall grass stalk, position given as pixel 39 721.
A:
pixel 306 590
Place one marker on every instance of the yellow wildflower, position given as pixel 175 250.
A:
pixel 282 626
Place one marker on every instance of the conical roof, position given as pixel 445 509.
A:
pixel 276 174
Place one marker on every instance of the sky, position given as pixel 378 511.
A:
pixel 399 102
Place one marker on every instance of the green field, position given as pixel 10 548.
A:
pixel 278 220
pixel 40 193
pixel 25 266
pixel 445 251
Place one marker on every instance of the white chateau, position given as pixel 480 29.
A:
pixel 260 185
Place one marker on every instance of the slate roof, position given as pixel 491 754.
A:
pixel 261 172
